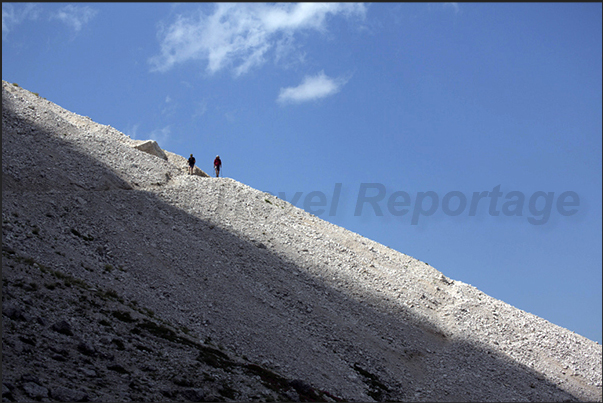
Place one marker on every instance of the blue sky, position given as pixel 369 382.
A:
pixel 473 129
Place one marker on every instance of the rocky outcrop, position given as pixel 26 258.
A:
pixel 124 278
pixel 151 147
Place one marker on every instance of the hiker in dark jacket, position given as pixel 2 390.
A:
pixel 191 164
pixel 217 165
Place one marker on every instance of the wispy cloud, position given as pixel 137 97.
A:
pixel 239 36
pixel 74 17
pixel 13 15
pixel 311 88
pixel 200 109
pixel 454 6
pixel 161 136
pixel 132 131
pixel 170 107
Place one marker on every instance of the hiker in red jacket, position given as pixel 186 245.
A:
pixel 217 165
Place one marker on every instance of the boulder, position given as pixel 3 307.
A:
pixel 151 147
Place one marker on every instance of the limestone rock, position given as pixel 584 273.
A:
pixel 151 147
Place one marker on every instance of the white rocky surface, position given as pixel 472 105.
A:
pixel 151 147
pixel 125 278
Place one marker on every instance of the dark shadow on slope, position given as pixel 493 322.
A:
pixel 234 266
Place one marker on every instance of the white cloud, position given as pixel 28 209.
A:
pixel 12 16
pixel 239 36
pixel 287 53
pixel 311 88
pixel 74 16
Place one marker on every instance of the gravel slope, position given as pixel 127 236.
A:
pixel 327 313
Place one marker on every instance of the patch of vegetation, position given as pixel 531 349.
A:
pixel 267 201
pixel 110 294
pixel 213 357
pixel 269 378
pixel 280 385
pixel 84 237
pixel 108 268
pixel 75 281
pixel 51 286
pixel 377 390
pixel 162 331
pixel 31 286
pixel 123 316
pixel 69 280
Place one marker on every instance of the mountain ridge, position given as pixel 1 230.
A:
pixel 314 304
